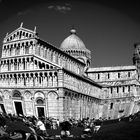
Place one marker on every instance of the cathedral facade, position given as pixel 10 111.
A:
pixel 37 78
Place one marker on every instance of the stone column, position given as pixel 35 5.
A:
pixel 30 49
pixel 61 104
pixel 41 79
pixel 45 81
pixel 17 63
pixel 22 49
pixel 60 78
pixel 54 80
pixel 3 52
pixel 6 66
pixel 32 64
pixel 6 51
pixel 34 48
pixel 1 66
pixel 31 80
pixel 25 63
pixel 12 50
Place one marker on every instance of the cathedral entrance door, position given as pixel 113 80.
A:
pixel 2 109
pixel 18 107
pixel 41 111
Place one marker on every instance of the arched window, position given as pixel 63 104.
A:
pixel 16 93
pixel 40 101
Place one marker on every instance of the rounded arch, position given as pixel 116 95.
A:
pixel 16 93
pixel 6 94
pixel 40 101
pixel 53 104
pixel 52 94
pixel 39 94
pixel 27 95
pixel 81 59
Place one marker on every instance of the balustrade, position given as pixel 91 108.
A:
pixel 31 47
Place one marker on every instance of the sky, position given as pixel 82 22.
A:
pixel 108 28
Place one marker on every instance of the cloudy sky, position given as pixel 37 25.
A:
pixel 109 28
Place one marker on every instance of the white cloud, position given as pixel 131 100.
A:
pixel 59 8
pixel 50 7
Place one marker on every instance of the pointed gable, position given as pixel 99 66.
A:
pixel 19 34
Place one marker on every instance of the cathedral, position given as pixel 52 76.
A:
pixel 37 78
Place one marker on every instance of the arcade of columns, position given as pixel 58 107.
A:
pixel 32 46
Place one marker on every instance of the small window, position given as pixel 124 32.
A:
pixel 16 94
pixel 128 88
pixel 40 101
pixel 123 89
pixel 111 89
pixel 98 76
pixel 111 105
pixel 118 75
pixel 128 74
pixel 108 75
pixel 51 67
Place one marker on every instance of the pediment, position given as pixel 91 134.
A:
pixel 19 34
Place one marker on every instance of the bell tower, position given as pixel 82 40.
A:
pixel 136 57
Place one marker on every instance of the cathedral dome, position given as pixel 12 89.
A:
pixel 72 42
pixel 75 47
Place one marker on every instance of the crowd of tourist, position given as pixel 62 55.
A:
pixel 32 128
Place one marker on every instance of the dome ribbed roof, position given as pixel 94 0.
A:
pixel 72 42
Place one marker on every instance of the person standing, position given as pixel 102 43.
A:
pixel 40 125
